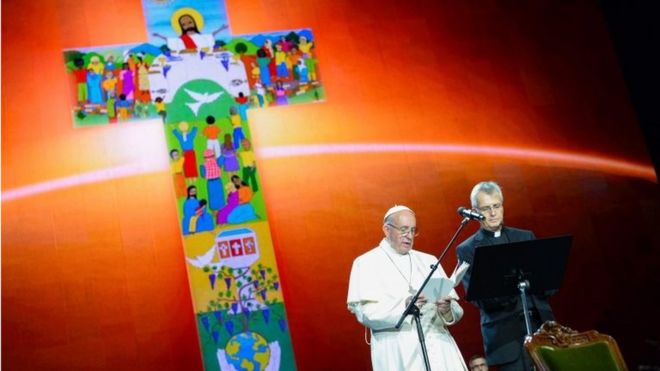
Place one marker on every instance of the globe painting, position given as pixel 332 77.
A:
pixel 248 351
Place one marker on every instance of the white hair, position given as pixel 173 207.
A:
pixel 488 187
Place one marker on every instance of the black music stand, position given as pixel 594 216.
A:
pixel 534 266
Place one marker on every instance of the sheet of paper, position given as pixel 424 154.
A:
pixel 440 287
pixel 459 272
pixel 436 288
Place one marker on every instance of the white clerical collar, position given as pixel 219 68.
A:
pixel 491 234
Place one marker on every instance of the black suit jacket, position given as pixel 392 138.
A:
pixel 502 320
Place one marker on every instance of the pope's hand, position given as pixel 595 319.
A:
pixel 444 305
pixel 421 300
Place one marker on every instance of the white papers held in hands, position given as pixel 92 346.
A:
pixel 440 287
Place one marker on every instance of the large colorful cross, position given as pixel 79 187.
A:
pixel 200 81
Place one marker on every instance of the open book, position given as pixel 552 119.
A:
pixel 440 287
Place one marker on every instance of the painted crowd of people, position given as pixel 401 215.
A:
pixel 225 156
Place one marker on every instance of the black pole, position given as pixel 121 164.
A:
pixel 523 286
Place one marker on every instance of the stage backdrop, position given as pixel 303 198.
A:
pixel 421 101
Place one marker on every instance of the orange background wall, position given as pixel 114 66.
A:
pixel 93 275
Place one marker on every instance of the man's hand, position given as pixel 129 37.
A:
pixel 421 300
pixel 444 305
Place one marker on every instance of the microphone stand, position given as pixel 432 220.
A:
pixel 523 286
pixel 413 310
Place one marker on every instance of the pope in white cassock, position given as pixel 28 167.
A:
pixel 383 281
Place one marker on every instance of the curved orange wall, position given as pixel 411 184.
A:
pixel 93 275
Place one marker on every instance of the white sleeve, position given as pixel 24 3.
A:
pixel 366 299
pixel 175 44
pixel 456 312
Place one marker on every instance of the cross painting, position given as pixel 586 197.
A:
pixel 198 81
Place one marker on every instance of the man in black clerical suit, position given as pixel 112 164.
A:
pixel 502 320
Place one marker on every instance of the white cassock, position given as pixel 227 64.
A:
pixel 379 285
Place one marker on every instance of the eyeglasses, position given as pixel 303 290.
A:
pixel 491 208
pixel 405 230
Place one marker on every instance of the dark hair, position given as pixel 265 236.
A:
pixel 475 357
pixel 193 20
pixel 190 188
pixel 174 150
pixel 210 119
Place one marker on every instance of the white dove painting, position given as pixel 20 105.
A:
pixel 203 260
pixel 200 99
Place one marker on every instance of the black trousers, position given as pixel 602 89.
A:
pixel 524 362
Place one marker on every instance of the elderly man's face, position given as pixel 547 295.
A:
pixel 404 221
pixel 492 208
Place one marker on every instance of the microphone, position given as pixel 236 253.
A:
pixel 469 213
